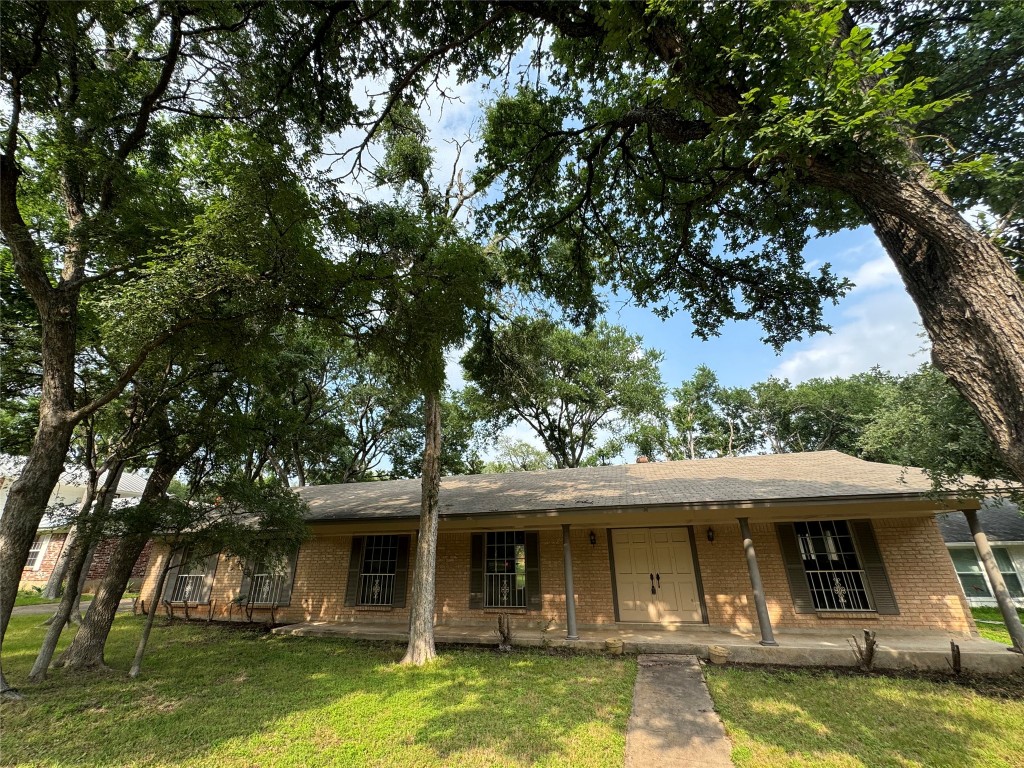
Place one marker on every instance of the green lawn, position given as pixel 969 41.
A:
pixel 995 632
pixel 33 597
pixel 833 720
pixel 220 697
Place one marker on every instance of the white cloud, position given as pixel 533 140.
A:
pixel 882 328
pixel 880 272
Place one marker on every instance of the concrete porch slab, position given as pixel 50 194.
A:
pixel 902 650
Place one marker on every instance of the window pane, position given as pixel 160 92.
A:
pixel 1003 560
pixel 965 560
pixel 1013 584
pixel 834 575
pixel 974 585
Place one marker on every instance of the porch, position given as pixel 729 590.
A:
pixel 824 647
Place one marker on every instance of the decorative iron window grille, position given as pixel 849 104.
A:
pixel 267 588
pixel 188 587
pixel 377 576
pixel 505 569
pixel 833 569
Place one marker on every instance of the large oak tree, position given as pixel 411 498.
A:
pixel 698 146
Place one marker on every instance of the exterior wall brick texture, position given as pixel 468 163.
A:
pixel 919 569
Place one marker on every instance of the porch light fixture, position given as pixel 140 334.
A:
pixel 711 533
pixel 593 539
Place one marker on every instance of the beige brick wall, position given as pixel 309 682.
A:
pixel 919 569
pixel 926 588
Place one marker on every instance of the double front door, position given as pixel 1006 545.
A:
pixel 655 578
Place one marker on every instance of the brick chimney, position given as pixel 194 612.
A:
pixel 642 460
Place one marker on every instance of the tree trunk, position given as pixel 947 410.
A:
pixel 75 617
pixel 25 507
pixel 78 568
pixel 421 616
pixel 970 299
pixel 86 650
pixel 54 585
pixel 148 628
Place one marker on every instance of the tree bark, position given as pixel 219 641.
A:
pixel 86 650
pixel 421 616
pixel 54 585
pixel 78 567
pixel 970 299
pixel 147 629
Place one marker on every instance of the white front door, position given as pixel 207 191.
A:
pixel 654 575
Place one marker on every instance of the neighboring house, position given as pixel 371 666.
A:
pixel 1004 526
pixel 66 498
pixel 838 542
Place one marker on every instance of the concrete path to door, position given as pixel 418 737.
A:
pixel 674 722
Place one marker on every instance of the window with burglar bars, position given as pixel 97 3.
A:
pixel 377 576
pixel 505 569
pixel 190 581
pixel 267 586
pixel 833 569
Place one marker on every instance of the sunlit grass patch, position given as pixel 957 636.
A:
pixel 836 720
pixel 215 696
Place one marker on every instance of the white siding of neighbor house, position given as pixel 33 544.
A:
pixel 1016 553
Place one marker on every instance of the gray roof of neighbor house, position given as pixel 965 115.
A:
pixel 797 476
pixel 1001 521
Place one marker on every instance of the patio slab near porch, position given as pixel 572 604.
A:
pixel 900 650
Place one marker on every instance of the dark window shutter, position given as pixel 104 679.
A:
pixel 284 596
pixel 172 574
pixel 476 571
pixel 355 564
pixel 209 571
pixel 246 586
pixel 401 571
pixel 871 561
pixel 798 587
pixel 533 570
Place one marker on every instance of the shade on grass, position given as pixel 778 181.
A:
pixel 220 697
pixel 831 720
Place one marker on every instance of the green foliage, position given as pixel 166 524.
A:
pixel 564 384
pixel 518 456
pixel 922 421
pixel 686 148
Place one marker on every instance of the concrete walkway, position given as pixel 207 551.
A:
pixel 673 722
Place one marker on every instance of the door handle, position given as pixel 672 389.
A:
pixel 658 577
pixel 653 590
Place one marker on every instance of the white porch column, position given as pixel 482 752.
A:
pixel 996 578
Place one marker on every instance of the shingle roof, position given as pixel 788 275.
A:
pixel 1001 521
pixel 824 474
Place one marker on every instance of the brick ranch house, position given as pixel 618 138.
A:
pixel 798 541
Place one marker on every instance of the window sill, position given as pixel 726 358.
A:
pixel 846 615
pixel 513 611
pixel 375 608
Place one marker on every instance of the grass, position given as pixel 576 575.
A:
pixel 840 720
pixel 34 597
pixel 995 632
pixel 215 696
